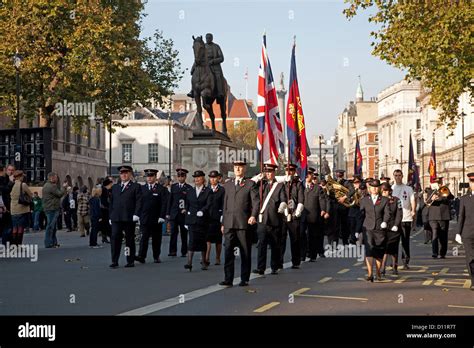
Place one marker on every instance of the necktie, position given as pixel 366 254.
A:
pixel 237 182
pixel 122 186
pixel 149 187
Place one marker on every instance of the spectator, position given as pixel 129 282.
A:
pixel 105 227
pixel 52 195
pixel 95 217
pixel 66 205
pixel 37 209
pixel 83 217
pixel 19 210
pixel 6 185
pixel 73 207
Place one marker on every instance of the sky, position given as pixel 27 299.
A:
pixel 331 51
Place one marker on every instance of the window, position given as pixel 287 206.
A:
pixel 97 135
pixel 418 123
pixel 418 147
pixel 127 153
pixel 376 137
pixel 152 153
pixel 89 135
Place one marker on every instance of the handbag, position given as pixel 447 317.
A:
pixel 23 199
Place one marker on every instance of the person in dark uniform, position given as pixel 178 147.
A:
pixel 393 228
pixel 376 214
pixel 354 216
pixel 104 225
pixel 425 215
pixel 342 229
pixel 125 208
pixel 291 225
pixel 214 234
pixel 270 219
pixel 176 213
pixel 316 209
pixel 465 232
pixel 152 216
pixel 438 217
pixel 241 205
pixel 198 202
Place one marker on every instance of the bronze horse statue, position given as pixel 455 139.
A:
pixel 203 84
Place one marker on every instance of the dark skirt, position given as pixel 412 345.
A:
pixel 393 240
pixel 197 238
pixel 214 233
pixel 375 243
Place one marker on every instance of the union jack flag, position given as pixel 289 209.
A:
pixel 270 131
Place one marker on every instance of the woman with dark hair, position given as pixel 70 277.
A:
pixel 376 214
pixel 19 209
pixel 393 229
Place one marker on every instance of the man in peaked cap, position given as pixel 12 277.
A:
pixel 125 209
pixel 176 213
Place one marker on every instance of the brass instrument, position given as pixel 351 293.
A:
pixel 442 192
pixel 338 190
pixel 356 198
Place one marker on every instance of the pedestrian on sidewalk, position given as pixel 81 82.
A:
pixel 105 228
pixel 52 194
pixel 37 209
pixel 83 217
pixel 21 197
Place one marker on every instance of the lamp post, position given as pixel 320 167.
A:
pixel 386 165
pixel 401 157
pixel 321 141
pixel 463 159
pixel 110 146
pixel 170 121
pixel 422 163
pixel 17 64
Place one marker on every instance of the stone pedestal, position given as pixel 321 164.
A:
pixel 207 150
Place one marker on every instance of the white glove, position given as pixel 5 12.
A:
pixel 395 228
pixel 282 207
pixel 110 222
pixel 383 225
pixel 136 218
pixel 186 227
pixel 357 235
pixel 222 218
pixel 299 210
pixel 199 214
pixel 458 238
pixel 257 177
pixel 161 220
pixel 286 212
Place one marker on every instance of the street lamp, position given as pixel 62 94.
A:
pixel 386 165
pixel 401 157
pixel 17 65
pixel 422 163
pixel 110 146
pixel 170 121
pixel 463 159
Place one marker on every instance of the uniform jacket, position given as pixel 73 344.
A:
pixel 217 204
pixel 240 203
pixel 315 201
pixel 439 210
pixel 177 200
pixel 124 204
pixel 396 212
pixel 153 204
pixel 374 215
pixel 466 216
pixel 195 204
pixel 270 215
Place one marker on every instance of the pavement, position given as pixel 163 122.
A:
pixel 76 280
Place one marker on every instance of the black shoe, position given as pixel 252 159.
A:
pixel 105 241
pixel 244 283
pixel 383 272
pixel 379 278
pixel 157 261
pixel 188 266
pixel 129 265
pixel 405 266
pixel 303 259
pixel 183 255
pixel 224 283
pixel 370 279
pixel 190 94
pixel 442 257
pixel 322 256
pixel 172 254
pixel 312 260
pixel 140 259
pixel 295 267
pixel 114 265
pixel 274 271
pixel 434 256
pixel 258 271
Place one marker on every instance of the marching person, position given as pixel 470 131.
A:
pixel 241 204
pixel 291 225
pixel 214 234
pixel 125 208
pixel 354 215
pixel 176 213
pixel 424 215
pixel 152 217
pixel 407 198
pixel 393 228
pixel 198 202
pixel 316 210
pixel 339 227
pixel 438 217
pixel 465 233
pixel 270 219
pixel 376 216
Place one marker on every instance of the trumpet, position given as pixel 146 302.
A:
pixel 442 192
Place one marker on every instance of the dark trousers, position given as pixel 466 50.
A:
pixel 440 237
pixel 153 230
pixel 469 250
pixel 177 226
pixel 355 220
pixel 68 219
pixel 94 231
pixel 405 238
pixel 105 228
pixel 6 228
pixel 241 239
pixel 268 235
pixel 116 240
pixel 342 223
pixel 293 229
pixel 73 213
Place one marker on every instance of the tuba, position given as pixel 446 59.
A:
pixel 338 190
